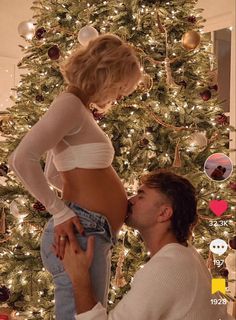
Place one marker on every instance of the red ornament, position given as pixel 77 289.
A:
pixel 54 52
pixel 222 119
pixel 192 19
pixel 39 206
pixel 215 87
pixel 205 95
pixel 232 186
pixel 4 317
pixel 143 143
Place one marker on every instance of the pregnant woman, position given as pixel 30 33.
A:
pixel 78 164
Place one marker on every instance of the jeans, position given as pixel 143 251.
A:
pixel 94 224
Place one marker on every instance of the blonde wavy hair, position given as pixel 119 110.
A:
pixel 106 68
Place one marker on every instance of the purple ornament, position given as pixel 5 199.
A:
pixel 54 52
pixel 40 33
pixel 4 294
pixel 232 243
pixel 39 98
pixel 3 169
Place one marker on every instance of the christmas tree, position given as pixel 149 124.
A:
pixel 173 120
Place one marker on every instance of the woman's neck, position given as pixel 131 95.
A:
pixel 79 93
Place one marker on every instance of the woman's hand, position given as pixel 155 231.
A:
pixel 77 264
pixel 65 232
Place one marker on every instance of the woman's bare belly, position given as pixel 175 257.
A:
pixel 98 190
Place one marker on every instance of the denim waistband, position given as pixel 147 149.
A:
pixel 95 217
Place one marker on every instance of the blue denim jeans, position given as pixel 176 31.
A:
pixel 94 224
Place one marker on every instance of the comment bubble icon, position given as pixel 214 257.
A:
pixel 218 246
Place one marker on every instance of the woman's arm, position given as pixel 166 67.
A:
pixel 52 175
pixel 63 116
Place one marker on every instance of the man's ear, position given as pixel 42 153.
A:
pixel 165 213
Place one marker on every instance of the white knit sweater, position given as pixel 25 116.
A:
pixel 174 285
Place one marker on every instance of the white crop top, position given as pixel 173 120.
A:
pixel 73 139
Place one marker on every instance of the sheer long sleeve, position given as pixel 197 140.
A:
pixel 63 116
pixel 52 175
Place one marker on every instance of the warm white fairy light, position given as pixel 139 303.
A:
pixel 126 251
pixel 121 233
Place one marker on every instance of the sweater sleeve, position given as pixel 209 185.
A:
pixel 63 116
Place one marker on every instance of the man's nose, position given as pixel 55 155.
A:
pixel 132 200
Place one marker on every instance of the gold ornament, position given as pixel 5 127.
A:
pixel 191 40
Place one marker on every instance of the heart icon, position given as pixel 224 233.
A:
pixel 218 207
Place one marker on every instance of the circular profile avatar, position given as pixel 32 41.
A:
pixel 218 167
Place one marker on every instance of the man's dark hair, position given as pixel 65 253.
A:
pixel 182 196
